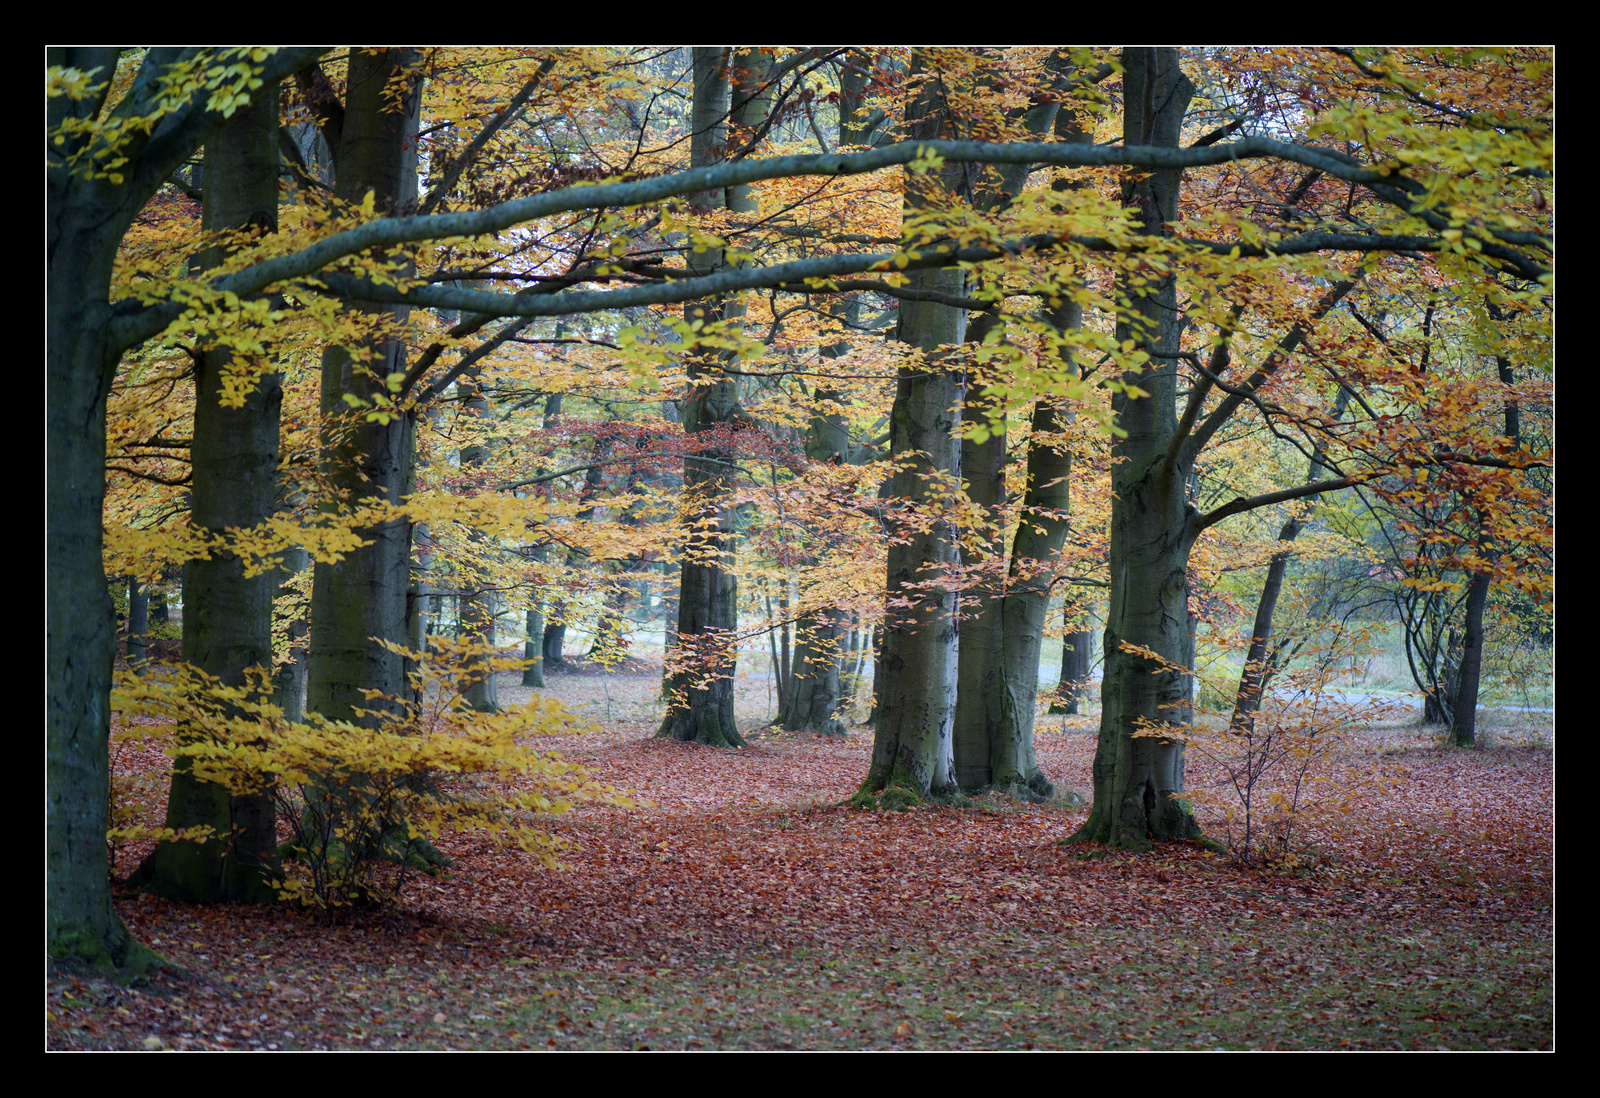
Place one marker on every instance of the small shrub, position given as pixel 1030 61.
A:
pixel 1279 771
pixel 354 798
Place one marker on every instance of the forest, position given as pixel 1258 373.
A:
pixel 650 513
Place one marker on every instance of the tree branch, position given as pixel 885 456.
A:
pixel 1243 504
pixel 137 324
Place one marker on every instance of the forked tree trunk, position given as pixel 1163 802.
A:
pixel 1002 630
pixel 1041 532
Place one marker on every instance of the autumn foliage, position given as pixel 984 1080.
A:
pixel 520 383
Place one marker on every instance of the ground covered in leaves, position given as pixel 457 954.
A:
pixel 740 906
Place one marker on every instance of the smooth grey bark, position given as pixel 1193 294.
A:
pixel 700 689
pixel 364 595
pixel 1041 531
pixel 980 658
pixel 912 752
pixel 227 618
pixel 1153 529
pixel 80 364
pixel 1138 779
pixel 916 677
pixel 85 219
pixel 1004 615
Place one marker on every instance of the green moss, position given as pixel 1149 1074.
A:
pixel 119 953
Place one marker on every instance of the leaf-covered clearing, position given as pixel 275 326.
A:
pixel 742 908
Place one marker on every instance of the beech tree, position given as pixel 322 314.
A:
pixel 227 619
pixel 1145 276
pixel 105 159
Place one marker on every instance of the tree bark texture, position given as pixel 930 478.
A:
pixel 700 693
pixel 227 618
pixel 1153 529
pixel 913 751
pixel 980 658
pixel 363 596
pixel 912 742
pixel 1002 629
pixel 85 219
pixel 80 361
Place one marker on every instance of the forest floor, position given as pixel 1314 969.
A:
pixel 739 906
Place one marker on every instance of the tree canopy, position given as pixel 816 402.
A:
pixel 888 336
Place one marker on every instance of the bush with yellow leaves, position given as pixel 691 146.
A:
pixel 353 798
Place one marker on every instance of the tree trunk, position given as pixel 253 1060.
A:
pixel 364 595
pixel 980 659
pixel 478 602
pixel 1077 647
pixel 80 362
pixel 289 688
pixel 700 688
pixel 227 616
pixel 555 637
pixel 1137 778
pixel 912 751
pixel 85 219
pixel 815 697
pixel 1041 532
pixel 816 700
pixel 1257 661
pixel 1003 627
pixel 916 689
pixel 1464 713
pixel 532 648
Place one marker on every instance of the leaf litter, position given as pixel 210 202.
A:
pixel 739 905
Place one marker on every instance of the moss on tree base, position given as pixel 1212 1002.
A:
pixel 78 948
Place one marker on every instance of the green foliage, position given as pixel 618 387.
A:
pixel 355 798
